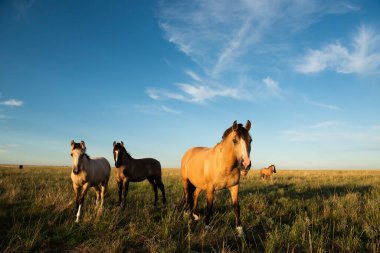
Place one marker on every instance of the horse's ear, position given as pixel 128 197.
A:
pixel 72 142
pixel 235 126
pixel 114 143
pixel 122 144
pixel 83 145
pixel 248 125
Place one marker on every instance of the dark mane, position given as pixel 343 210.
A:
pixel 239 131
pixel 78 146
pixel 128 154
pixel 119 146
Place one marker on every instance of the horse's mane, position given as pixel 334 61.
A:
pixel 119 146
pixel 229 130
pixel 128 154
pixel 78 145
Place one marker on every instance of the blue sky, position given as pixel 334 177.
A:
pixel 163 76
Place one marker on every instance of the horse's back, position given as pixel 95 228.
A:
pixel 101 168
pixel 140 169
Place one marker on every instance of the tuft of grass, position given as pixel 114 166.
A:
pixel 296 211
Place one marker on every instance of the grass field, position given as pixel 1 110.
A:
pixel 297 211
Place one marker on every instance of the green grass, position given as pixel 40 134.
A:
pixel 297 211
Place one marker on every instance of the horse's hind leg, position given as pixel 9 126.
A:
pixel 188 190
pixel 98 193
pixel 162 189
pixel 104 189
pixel 154 186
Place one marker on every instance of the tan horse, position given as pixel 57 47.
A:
pixel 129 169
pixel 267 172
pixel 88 173
pixel 217 168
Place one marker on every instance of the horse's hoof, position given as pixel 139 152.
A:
pixel 240 231
pixel 195 216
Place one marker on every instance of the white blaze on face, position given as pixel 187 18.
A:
pixel 245 155
pixel 75 158
pixel 116 155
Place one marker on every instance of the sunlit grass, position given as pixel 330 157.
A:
pixel 296 211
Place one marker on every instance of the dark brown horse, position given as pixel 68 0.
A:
pixel 129 169
pixel 217 168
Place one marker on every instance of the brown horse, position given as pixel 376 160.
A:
pixel 267 172
pixel 129 169
pixel 217 168
pixel 88 173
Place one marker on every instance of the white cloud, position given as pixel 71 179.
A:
pixel 321 105
pixel 333 131
pixel 272 86
pixel 23 7
pixel 362 57
pixel 156 109
pixel 12 103
pixel 218 34
pixel 328 124
pixel 7 147
pixel 194 76
pixel 245 89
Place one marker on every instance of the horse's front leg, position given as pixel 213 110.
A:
pixel 85 188
pixel 76 196
pixel 195 203
pixel 210 202
pixel 125 191
pixel 234 190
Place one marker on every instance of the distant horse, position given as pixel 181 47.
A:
pixel 129 169
pixel 88 173
pixel 267 172
pixel 217 168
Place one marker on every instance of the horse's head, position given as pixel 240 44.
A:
pixel 273 168
pixel 117 153
pixel 242 145
pixel 78 152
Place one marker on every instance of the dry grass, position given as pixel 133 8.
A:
pixel 297 211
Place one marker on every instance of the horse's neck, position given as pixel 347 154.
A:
pixel 127 159
pixel 86 162
pixel 228 155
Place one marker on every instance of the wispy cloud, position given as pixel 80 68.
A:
pixel 321 105
pixel 156 109
pixel 22 7
pixel 245 89
pixel 218 34
pixel 12 103
pixel 362 57
pixel 273 86
pixel 7 147
pixel 328 124
pixel 333 131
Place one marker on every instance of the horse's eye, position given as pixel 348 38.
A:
pixel 71 154
pixel 235 141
